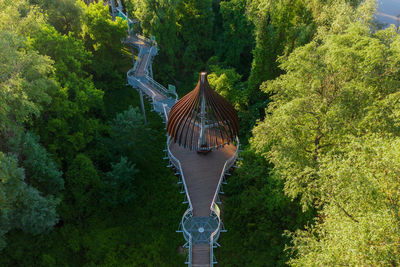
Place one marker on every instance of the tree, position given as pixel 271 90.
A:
pixel 315 105
pixel 332 139
pixel 22 206
pixel 40 169
pixel 227 83
pixel 159 18
pixel 82 189
pixel 280 26
pixel 362 200
pixel 195 19
pixel 237 41
pixel 102 37
pixel 119 183
pixel 130 137
pixel 25 85
pixel 71 121
pixel 256 214
pixel 64 15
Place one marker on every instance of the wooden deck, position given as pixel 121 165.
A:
pixel 142 64
pixel 201 255
pixel 202 173
pixel 146 87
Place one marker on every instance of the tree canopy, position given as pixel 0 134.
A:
pixel 316 86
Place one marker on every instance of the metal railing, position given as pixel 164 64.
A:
pixel 161 89
pixel 165 109
pixel 190 251
pixel 166 112
pixel 189 212
pixel 134 81
pixel 214 235
pixel 178 165
pixel 152 53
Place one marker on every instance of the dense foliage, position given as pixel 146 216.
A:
pixel 316 86
pixel 74 180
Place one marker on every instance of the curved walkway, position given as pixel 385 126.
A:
pixel 201 175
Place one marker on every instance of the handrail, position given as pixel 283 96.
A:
pixel 177 164
pixel 229 162
pixel 153 95
pixel 164 91
pixel 137 83
pixel 139 59
pixel 152 81
pixel 190 251
pixel 166 113
pixel 119 10
pixel 189 211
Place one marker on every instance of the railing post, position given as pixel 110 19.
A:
pixel 142 105
pixel 133 56
pixel 113 9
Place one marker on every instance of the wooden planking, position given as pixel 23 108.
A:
pixel 147 88
pixel 135 41
pixel 142 64
pixel 202 173
pixel 201 255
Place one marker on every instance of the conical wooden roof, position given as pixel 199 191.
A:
pixel 204 109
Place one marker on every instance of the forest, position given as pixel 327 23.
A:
pixel 316 84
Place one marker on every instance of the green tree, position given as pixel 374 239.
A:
pixel 359 224
pixel 237 41
pixel 102 37
pixel 64 15
pixel 280 26
pixel 256 214
pixel 70 122
pixel 119 183
pixel 22 206
pixel 315 106
pixel 227 83
pixel 82 184
pixel 40 169
pixel 25 85
pixel 159 18
pixel 195 19
pixel 331 132
pixel 130 137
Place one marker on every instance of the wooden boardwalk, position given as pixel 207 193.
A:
pixel 202 173
pixel 201 255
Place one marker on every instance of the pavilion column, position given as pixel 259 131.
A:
pixel 202 123
pixel 202 142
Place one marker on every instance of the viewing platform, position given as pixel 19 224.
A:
pixel 201 174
